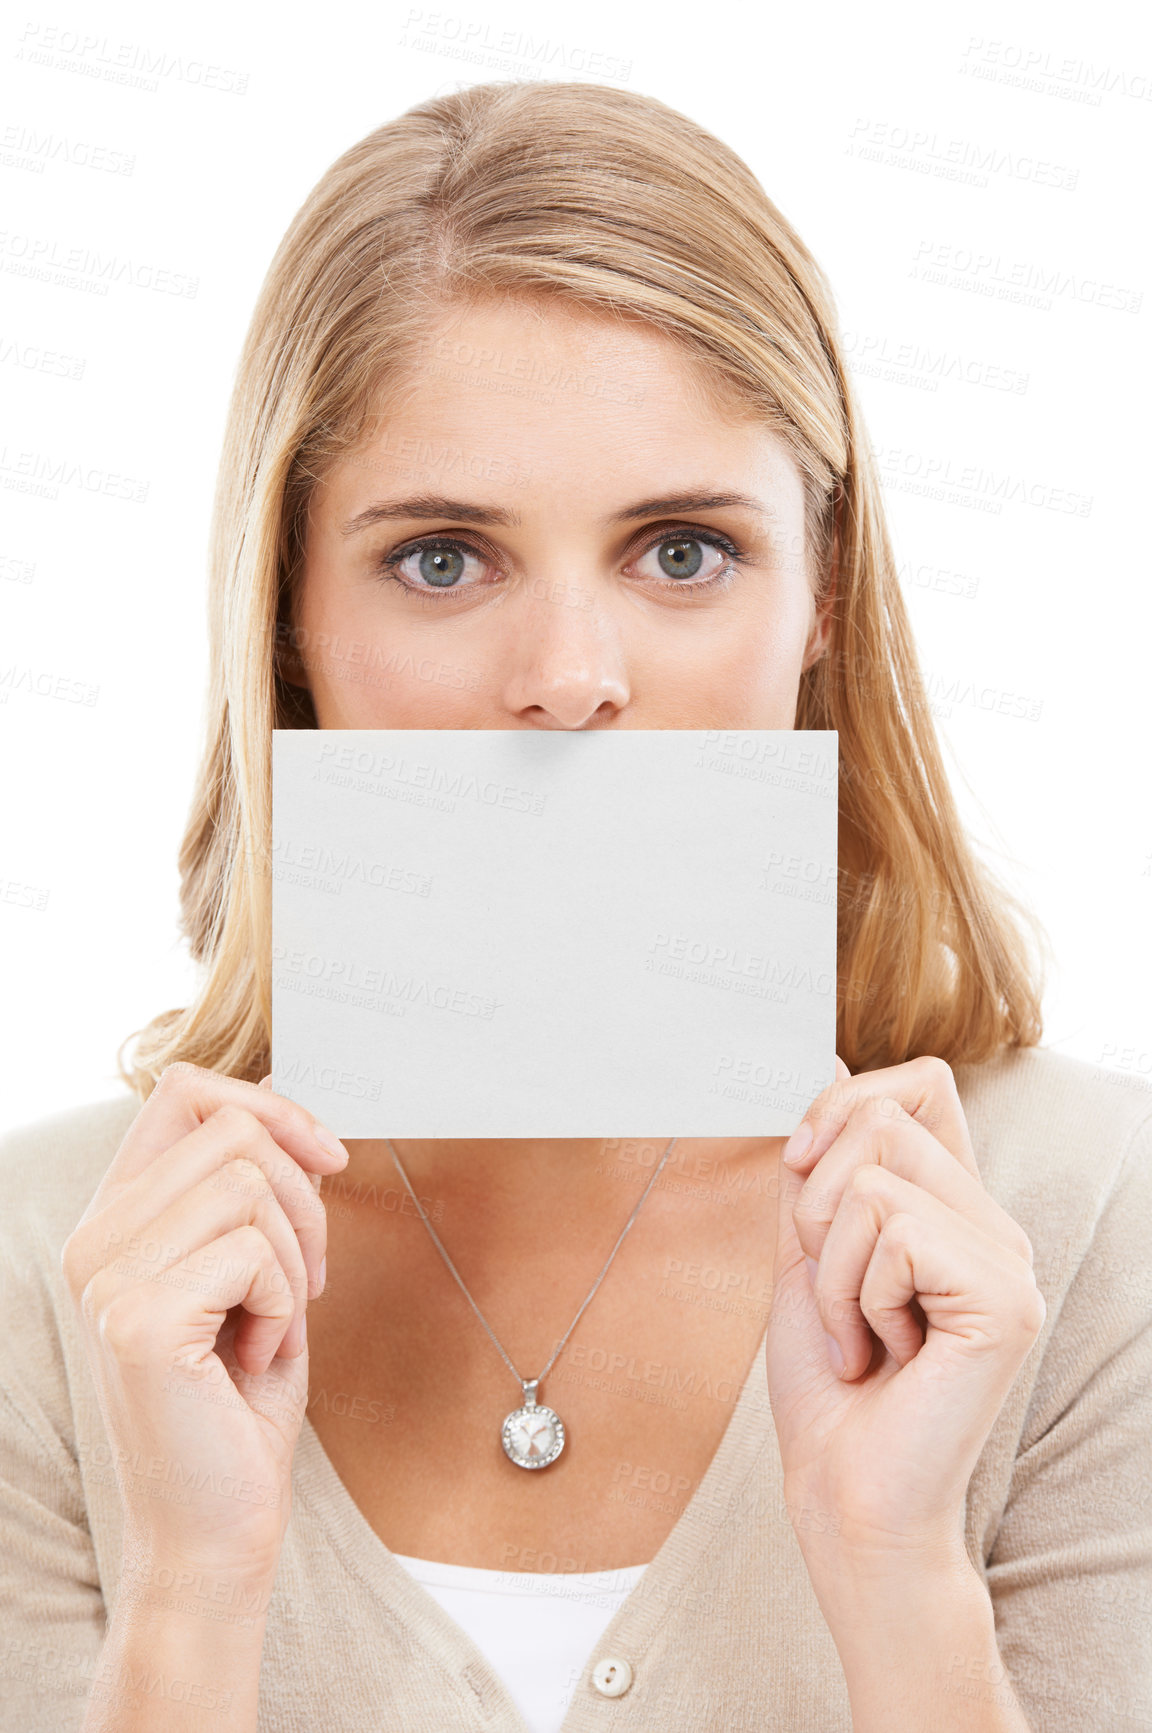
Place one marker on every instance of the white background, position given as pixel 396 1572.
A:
pixel 851 118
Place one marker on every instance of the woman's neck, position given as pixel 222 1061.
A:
pixel 563 1175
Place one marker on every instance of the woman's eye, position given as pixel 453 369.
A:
pixel 687 562
pixel 440 567
pixel 433 566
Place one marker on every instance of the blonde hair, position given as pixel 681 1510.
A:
pixel 613 202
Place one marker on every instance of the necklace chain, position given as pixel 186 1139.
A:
pixel 560 1346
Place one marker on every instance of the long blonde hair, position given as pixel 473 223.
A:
pixel 613 201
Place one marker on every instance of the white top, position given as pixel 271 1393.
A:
pixel 537 1629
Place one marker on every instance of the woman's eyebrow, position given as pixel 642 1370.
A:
pixel 429 505
pixel 673 503
pixel 434 505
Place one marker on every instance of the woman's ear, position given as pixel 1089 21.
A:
pixel 294 706
pixel 821 633
pixel 288 660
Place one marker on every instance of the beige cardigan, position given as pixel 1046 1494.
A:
pixel 723 1631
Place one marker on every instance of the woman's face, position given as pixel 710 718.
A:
pixel 562 525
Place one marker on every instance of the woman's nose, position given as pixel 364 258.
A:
pixel 566 661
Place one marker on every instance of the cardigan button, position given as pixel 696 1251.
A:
pixel 611 1676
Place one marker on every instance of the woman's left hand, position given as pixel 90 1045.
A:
pixel 888 1199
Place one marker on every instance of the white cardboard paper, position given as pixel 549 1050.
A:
pixel 513 933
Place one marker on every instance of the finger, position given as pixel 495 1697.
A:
pixel 795 1313
pixel 960 1280
pixel 147 1327
pixel 977 1299
pixel 924 1088
pixel 880 1134
pixel 265 1082
pixel 186 1096
pixel 797 1144
pixel 839 1272
pixel 230 1132
pixel 231 1197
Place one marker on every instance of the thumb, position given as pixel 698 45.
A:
pixel 789 1269
pixel 797 1348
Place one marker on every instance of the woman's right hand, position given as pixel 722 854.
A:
pixel 190 1270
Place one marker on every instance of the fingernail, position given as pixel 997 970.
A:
pixel 835 1357
pixel 323 1273
pixel 303 1332
pixel 797 1144
pixel 812 1265
pixel 329 1143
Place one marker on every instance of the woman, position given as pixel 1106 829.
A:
pixel 542 422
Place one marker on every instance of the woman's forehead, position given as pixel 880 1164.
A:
pixel 510 400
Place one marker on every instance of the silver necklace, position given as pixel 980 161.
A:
pixel 532 1435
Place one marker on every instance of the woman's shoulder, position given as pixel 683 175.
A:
pixel 1065 1146
pixel 49 1171
pixel 50 1167
pixel 1031 1104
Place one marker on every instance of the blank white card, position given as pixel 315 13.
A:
pixel 513 933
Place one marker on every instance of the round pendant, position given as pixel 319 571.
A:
pixel 532 1436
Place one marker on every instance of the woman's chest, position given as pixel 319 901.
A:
pixel 408 1393
pixel 419 1447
